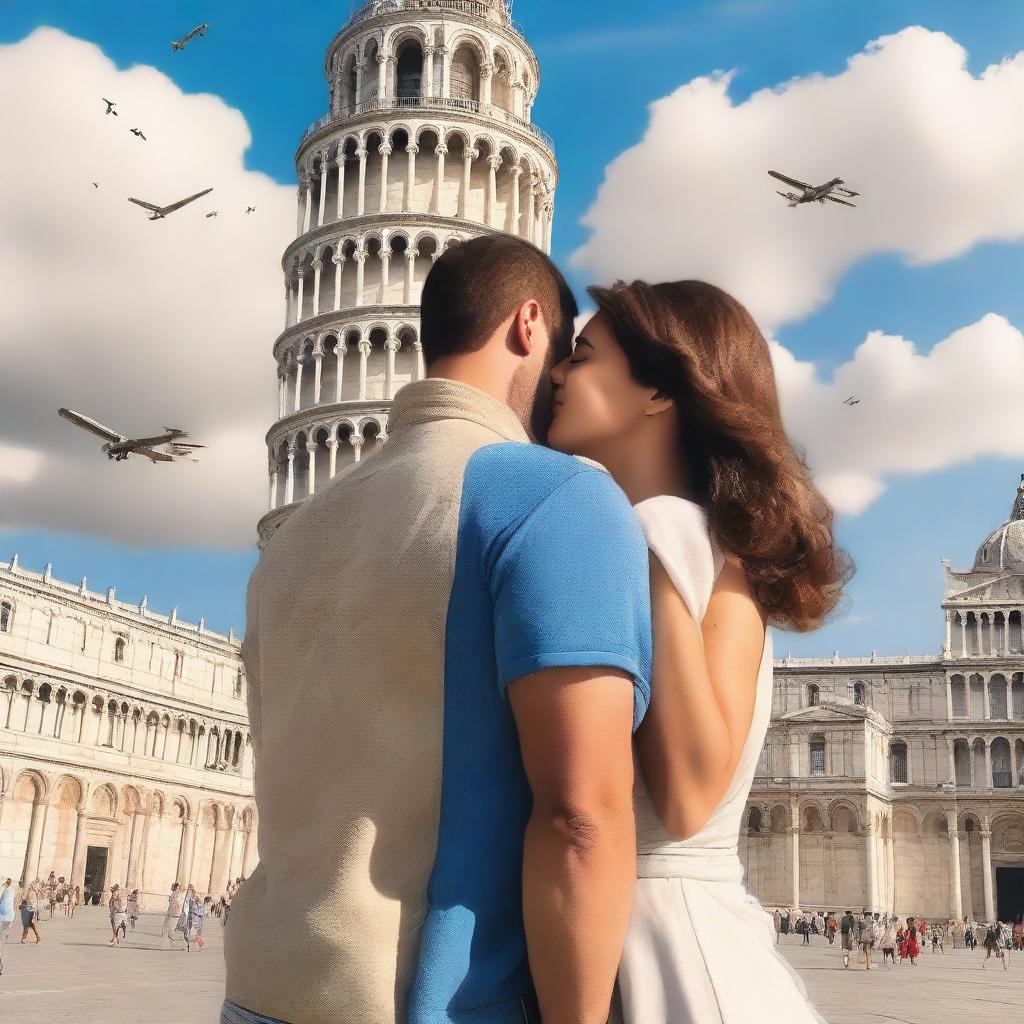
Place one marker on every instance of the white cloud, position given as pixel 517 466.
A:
pixel 936 153
pixel 918 412
pixel 138 324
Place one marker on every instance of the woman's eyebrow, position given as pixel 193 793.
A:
pixel 581 340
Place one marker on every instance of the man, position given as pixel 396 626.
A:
pixel 847 923
pixel 447 649
pixel 169 933
pixel 7 901
pixel 866 936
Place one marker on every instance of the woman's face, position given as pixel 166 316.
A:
pixel 596 401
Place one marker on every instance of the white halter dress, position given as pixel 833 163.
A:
pixel 700 949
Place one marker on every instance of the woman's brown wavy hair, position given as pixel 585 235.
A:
pixel 697 344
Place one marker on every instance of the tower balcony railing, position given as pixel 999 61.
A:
pixel 484 9
pixel 432 103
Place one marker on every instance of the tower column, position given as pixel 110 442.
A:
pixel 440 150
pixel 318 358
pixel 307 184
pixel 282 394
pixel 486 78
pixel 358 99
pixel 364 353
pixel 340 352
pixel 410 183
pixel 391 346
pixel 273 489
pixel 324 169
pixel 467 171
pixel 360 258
pixel 318 266
pixel 298 383
pixel 871 895
pixel 446 72
pixel 516 173
pixel 956 903
pixel 988 763
pixel 382 77
pixel 385 152
pixel 361 199
pixel 357 445
pixel 78 856
pixel 332 448
pixel 410 273
pixel 949 699
pixel 385 275
pixel 985 679
pixel 420 369
pixel 289 487
pixel 340 161
pixel 311 475
pixel 299 296
pixel 493 163
pixel 531 208
pixel 427 83
pixel 794 860
pixel 339 263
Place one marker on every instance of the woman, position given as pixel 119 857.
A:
pixel 118 914
pixel 29 915
pixel 670 387
pixel 913 947
pixel 889 941
pixel 134 907
pixel 76 899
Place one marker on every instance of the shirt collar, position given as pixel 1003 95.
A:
pixel 438 398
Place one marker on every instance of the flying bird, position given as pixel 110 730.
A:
pixel 250 209
pixel 95 184
pixel 118 447
pixel 212 213
pixel 851 401
pixel 137 132
pixel 159 212
pixel 180 44
pixel 110 106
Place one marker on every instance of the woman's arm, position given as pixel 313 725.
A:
pixel 702 696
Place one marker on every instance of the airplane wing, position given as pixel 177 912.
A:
pixel 144 205
pixel 91 425
pixel 154 455
pixel 790 181
pixel 148 441
pixel 182 202
pixel 843 201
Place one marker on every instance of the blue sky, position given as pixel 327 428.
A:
pixel 602 64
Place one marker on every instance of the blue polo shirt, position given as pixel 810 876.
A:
pixel 551 570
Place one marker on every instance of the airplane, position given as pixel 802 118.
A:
pixel 180 44
pixel 110 106
pixel 137 132
pixel 250 209
pixel 118 447
pixel 814 193
pixel 851 401
pixel 212 213
pixel 159 212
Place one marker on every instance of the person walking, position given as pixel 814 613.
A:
pixel 805 929
pixel 888 941
pixel 868 937
pixel 29 915
pixel 118 915
pixel 74 900
pixel 847 925
pixel 913 946
pixel 7 895
pixel 197 917
pixel 777 920
pixel 169 934
pixel 134 908
pixel 830 927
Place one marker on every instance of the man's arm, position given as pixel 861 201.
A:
pixel 579 853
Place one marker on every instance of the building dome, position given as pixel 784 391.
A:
pixel 1003 549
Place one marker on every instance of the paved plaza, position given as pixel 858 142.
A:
pixel 73 975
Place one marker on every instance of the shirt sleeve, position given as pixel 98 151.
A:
pixel 570 587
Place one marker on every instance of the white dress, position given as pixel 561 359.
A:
pixel 700 949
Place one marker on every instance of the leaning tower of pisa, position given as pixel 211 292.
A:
pixel 428 141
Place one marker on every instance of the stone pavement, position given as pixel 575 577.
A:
pixel 74 976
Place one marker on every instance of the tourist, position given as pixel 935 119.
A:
pixel 804 928
pixel 777 920
pixel 912 946
pixel 970 940
pixel 922 931
pixel 830 927
pixel 169 933
pixel 784 925
pixel 888 941
pixel 197 916
pixel 134 907
pixel 185 917
pixel 847 925
pixel 938 942
pixel 29 914
pixel 868 935
pixel 992 945
pixel 118 915
pixel 75 900
pixel 7 895
pixel 1018 935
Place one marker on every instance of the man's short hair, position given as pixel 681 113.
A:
pixel 478 284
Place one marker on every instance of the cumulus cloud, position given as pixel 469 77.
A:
pixel 918 412
pixel 138 324
pixel 935 151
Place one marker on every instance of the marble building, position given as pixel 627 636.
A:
pixel 124 746
pixel 897 783
pixel 428 141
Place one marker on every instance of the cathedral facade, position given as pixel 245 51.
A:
pixel 897 783
pixel 124 744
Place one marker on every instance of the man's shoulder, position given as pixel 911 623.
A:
pixel 513 478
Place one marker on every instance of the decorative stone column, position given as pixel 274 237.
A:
pixel 439 151
pixel 516 173
pixel 493 163
pixel 420 369
pixel 188 829
pixel 385 276
pixel 289 487
pixel 357 445
pixel 307 184
pixel 956 904
pixel 467 174
pixel 249 850
pixel 318 266
pixel 361 199
pixel 391 346
pixel 794 859
pixel 339 161
pixel 364 353
pixel 385 152
pixel 311 475
pixel 872 866
pixel 341 350
pixel 986 874
pixel 410 182
pixel 324 169
pixel 318 359
pixel 410 274
pixel 298 384
pixel 332 448
pixel 30 865
pixel 78 856
pixel 428 72
pixel 339 263
pixel 357 100
pixel 360 257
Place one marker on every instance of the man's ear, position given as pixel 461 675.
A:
pixel 527 321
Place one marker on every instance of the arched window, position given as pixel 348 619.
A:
pixel 858 693
pixel 6 614
pixel 997 696
pixel 958 688
pixel 754 821
pixel 119 649
pixel 898 763
pixel 817 749
pixel 813 694
pixel 409 71
pixel 1002 774
pixel 465 75
pixel 238 683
